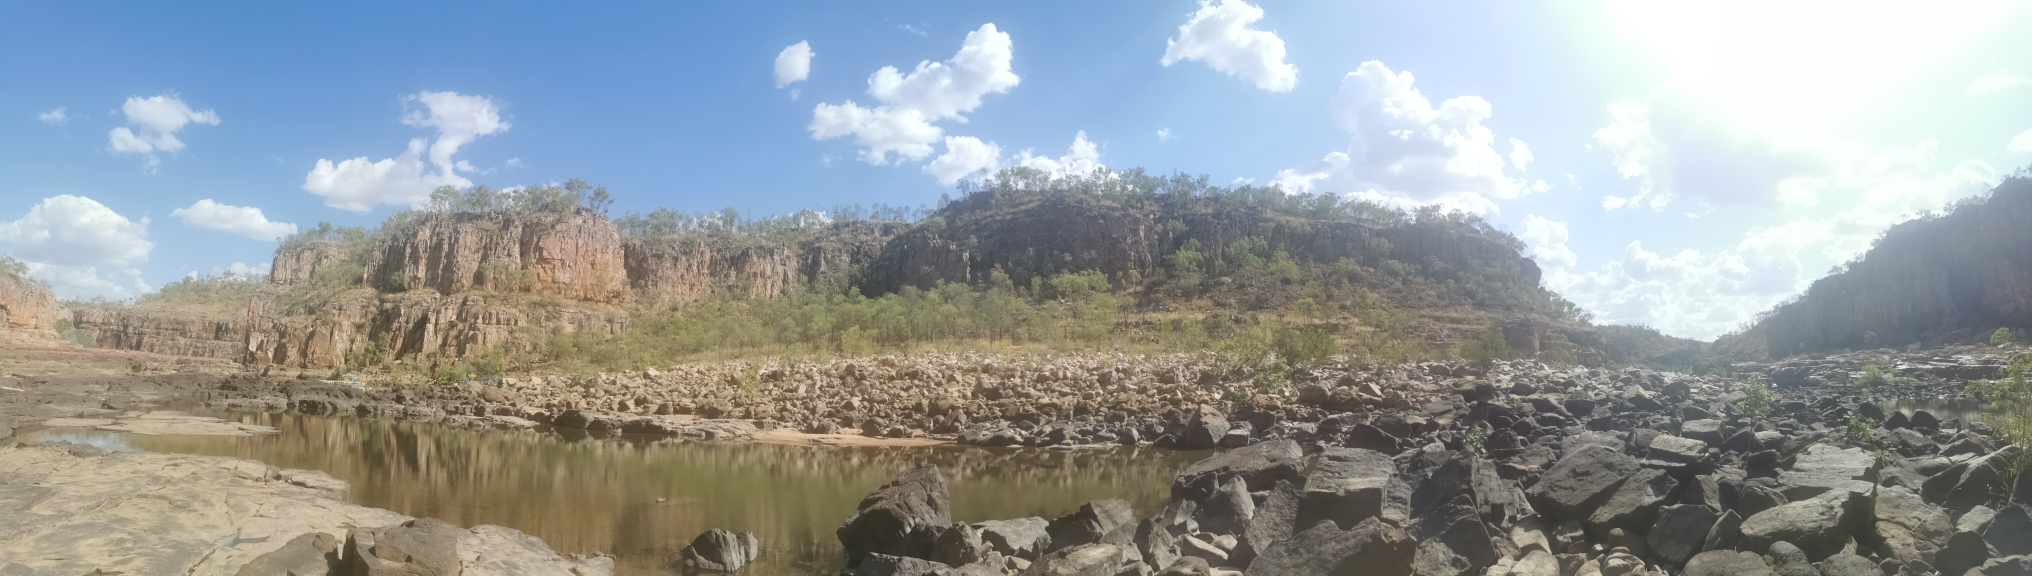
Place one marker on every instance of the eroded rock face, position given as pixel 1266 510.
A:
pixel 577 255
pixel 297 262
pixel 163 332
pixel 27 304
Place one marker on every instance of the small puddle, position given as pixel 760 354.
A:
pixel 583 494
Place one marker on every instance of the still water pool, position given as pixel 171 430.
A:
pixel 585 494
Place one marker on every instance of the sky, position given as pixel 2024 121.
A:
pixel 1681 165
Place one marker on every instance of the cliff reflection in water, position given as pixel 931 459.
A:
pixel 583 494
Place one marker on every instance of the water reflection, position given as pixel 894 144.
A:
pixel 588 494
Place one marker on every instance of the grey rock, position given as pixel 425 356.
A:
pixel 1205 430
pixel 1825 467
pixel 1274 520
pixel 720 551
pixel 1535 563
pixel 1260 465
pixel 1678 450
pixel 1846 564
pixel 1727 531
pixel 1097 522
pixel 1459 530
pixel 1680 531
pixel 1964 550
pixel 1026 538
pixel 308 554
pixel 1975 520
pixel 1082 560
pixel 1814 525
pixel 1229 510
pixel 959 545
pixel 1908 528
pixel 1371 548
pixel 1158 546
pixel 424 546
pixel 1789 560
pixel 1187 566
pixel 1196 547
pixel 879 564
pixel 2011 566
pixel 1346 486
pixel 1727 563
pixel 1634 505
pixel 2011 532
pixel 1707 431
pixel 900 518
pixel 1582 480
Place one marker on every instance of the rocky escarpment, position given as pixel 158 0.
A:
pixel 576 255
pixel 422 324
pixel 1031 237
pixel 173 332
pixel 1951 277
pixel 26 304
pixel 692 267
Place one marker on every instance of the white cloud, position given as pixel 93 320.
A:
pixel 1546 240
pixel 2021 143
pixel 155 121
pixel 64 239
pixel 1404 152
pixel 57 117
pixel 1081 159
pixel 1676 146
pixel 793 64
pixel 913 30
pixel 359 184
pixel 1164 135
pixel 1995 81
pixel 964 156
pixel 1520 154
pixel 910 103
pixel 242 269
pixel 244 221
pixel 1220 36
pixel 1701 294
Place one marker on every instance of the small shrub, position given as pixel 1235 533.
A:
pixel 1861 432
pixel 2001 337
pixel 1757 399
pixel 1477 440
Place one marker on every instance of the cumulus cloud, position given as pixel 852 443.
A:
pixel 1546 242
pixel 964 156
pixel 910 103
pixel 244 221
pixel 1404 151
pixel 1674 146
pixel 1520 154
pixel 1702 294
pixel 360 184
pixel 2021 143
pixel 1995 81
pixel 65 239
pixel 793 64
pixel 1081 159
pixel 152 126
pixel 1164 135
pixel 57 117
pixel 1220 35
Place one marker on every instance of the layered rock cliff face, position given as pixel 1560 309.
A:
pixel 296 263
pixel 1934 280
pixel 420 324
pixel 26 304
pixel 694 267
pixel 577 256
pixel 177 333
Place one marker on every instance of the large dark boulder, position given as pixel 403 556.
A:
pixel 1909 528
pixel 420 547
pixel 1272 522
pixel 309 554
pixel 1026 538
pixel 1814 525
pixel 1096 522
pixel 901 518
pixel 1347 486
pixel 1584 479
pixel 959 545
pixel 720 551
pixel 2010 532
pixel 1371 548
pixel 1634 505
pixel 1205 430
pixel 878 564
pixel 1453 535
pixel 2010 566
pixel 1679 531
pixel 1260 466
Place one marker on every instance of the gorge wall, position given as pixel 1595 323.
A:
pixel 1936 279
pixel 26 304
pixel 453 284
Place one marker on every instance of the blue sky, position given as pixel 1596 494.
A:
pixel 1689 164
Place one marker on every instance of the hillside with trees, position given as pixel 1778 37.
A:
pixel 1953 276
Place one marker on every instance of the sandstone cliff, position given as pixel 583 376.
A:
pixel 26 304
pixel 668 269
pixel 577 255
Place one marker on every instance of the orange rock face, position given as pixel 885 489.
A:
pixel 27 304
pixel 577 256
